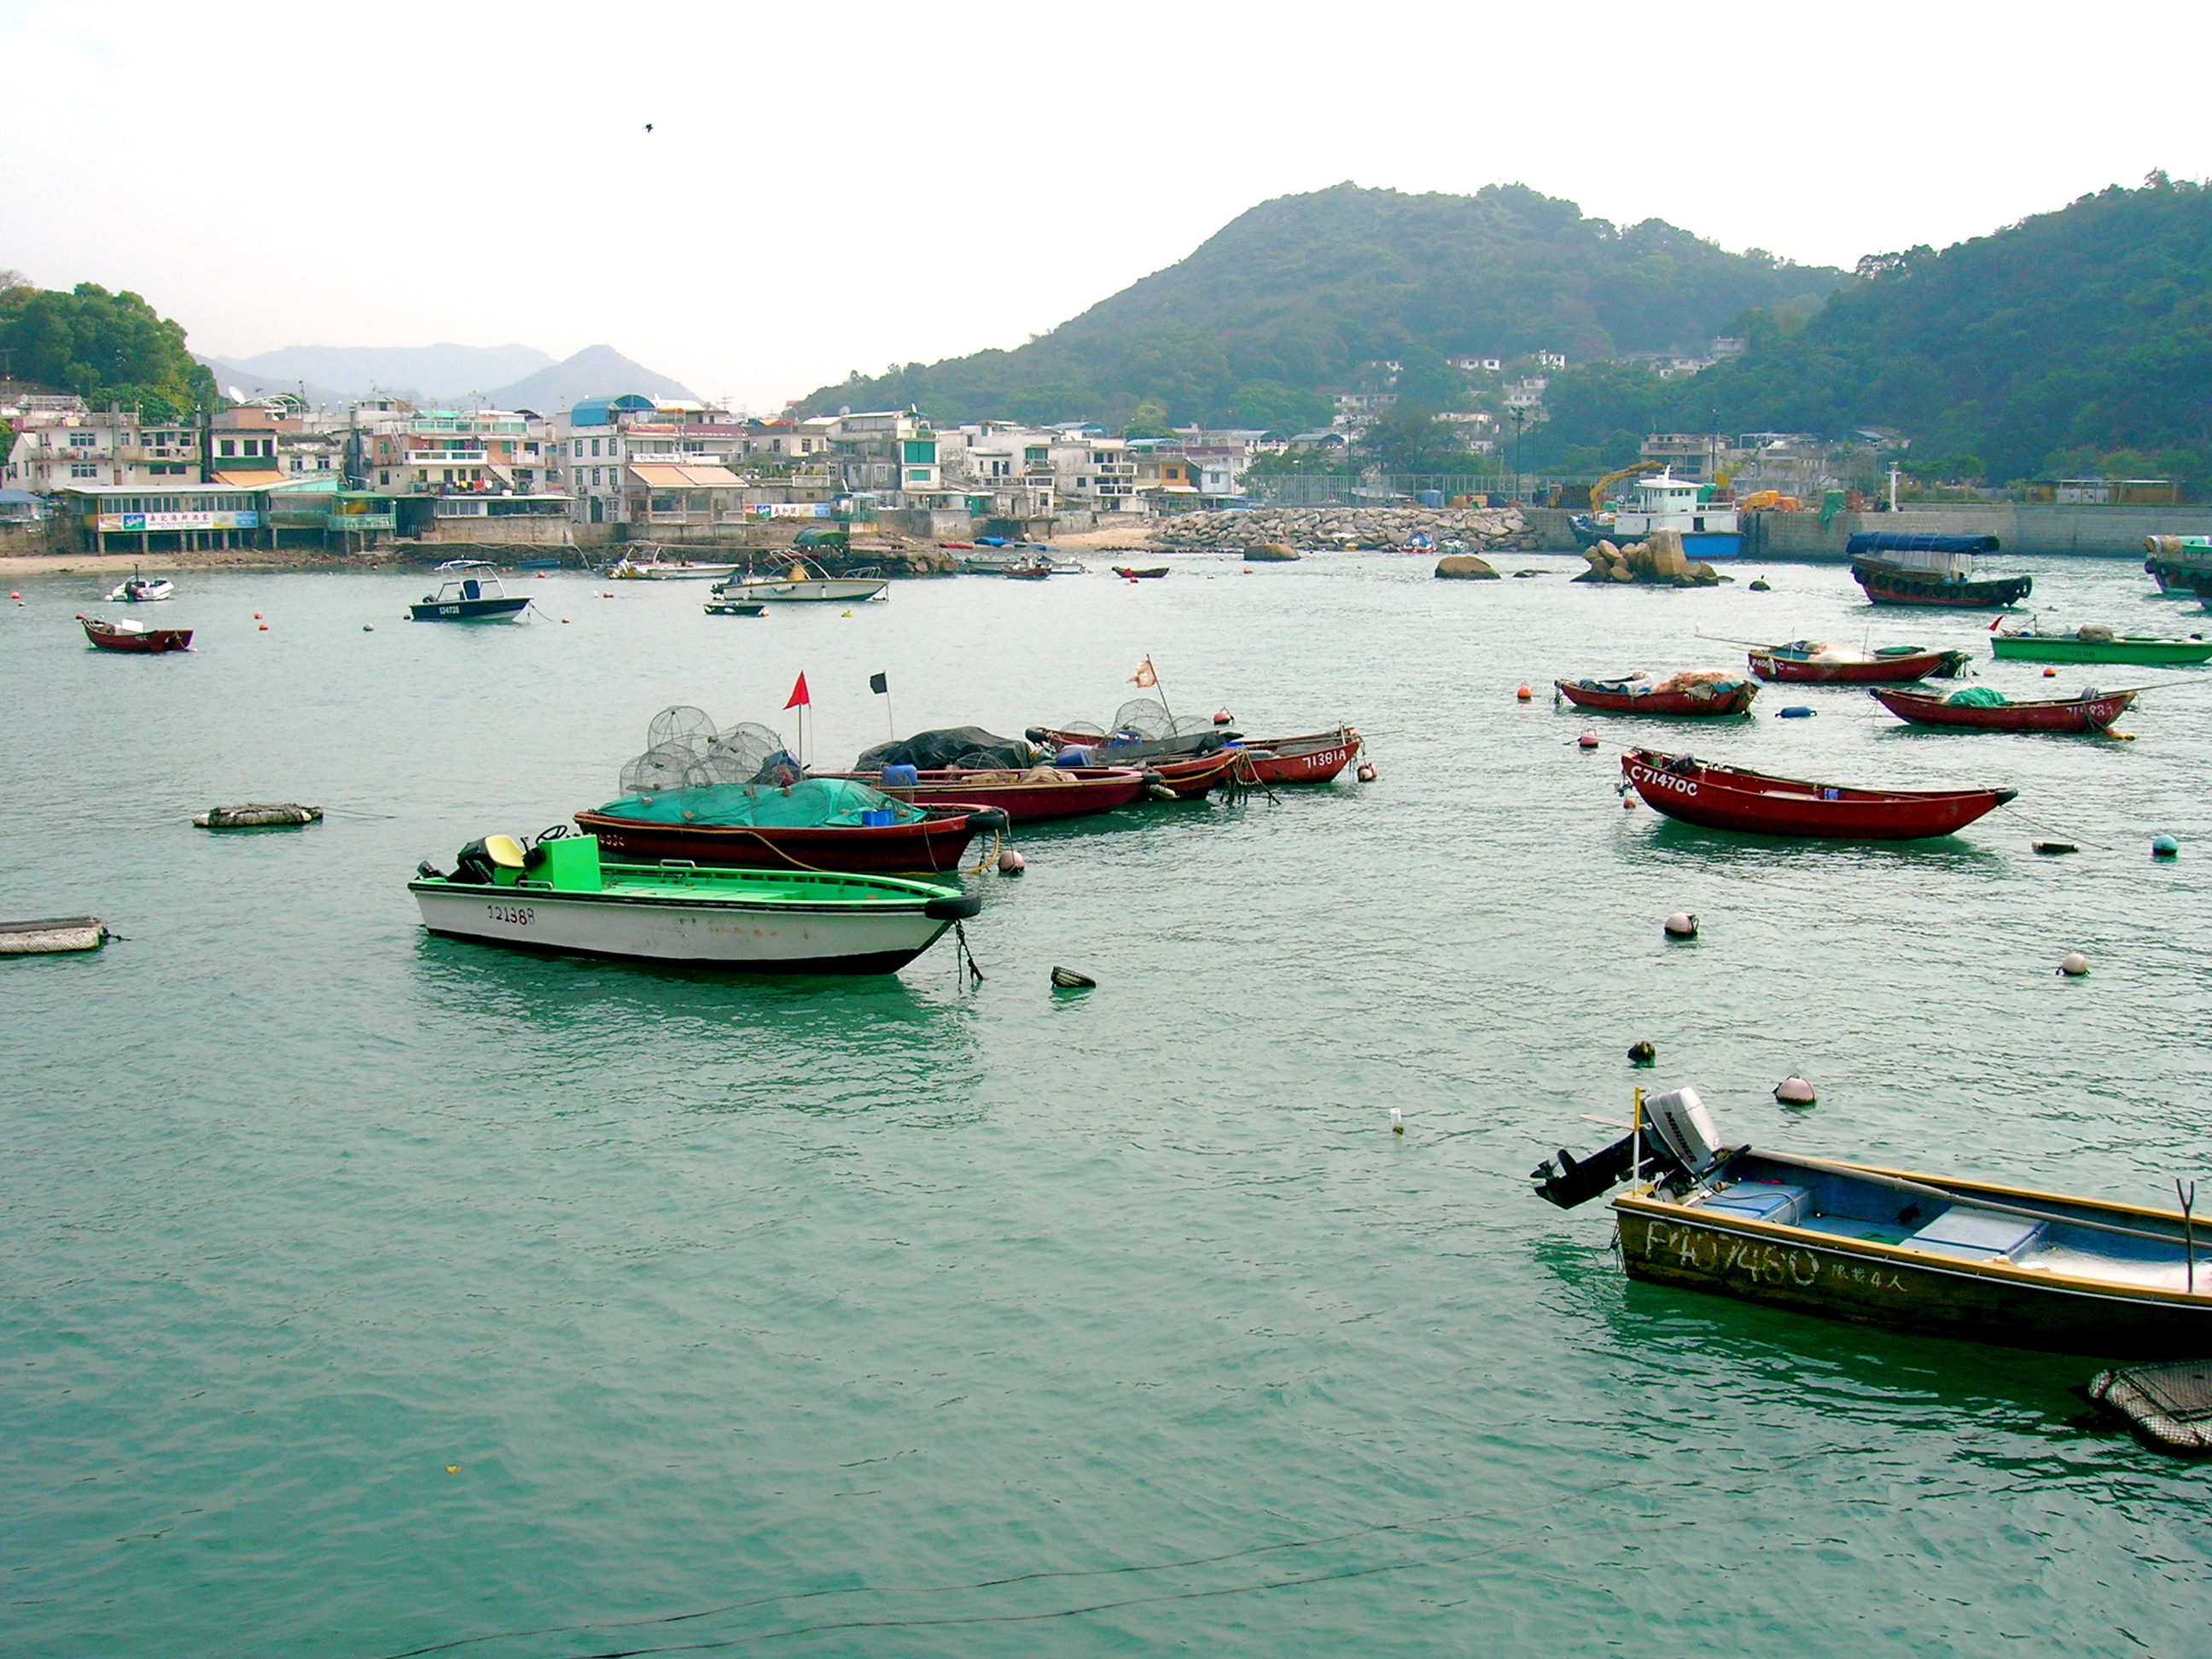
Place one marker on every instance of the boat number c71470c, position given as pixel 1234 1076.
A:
pixel 1665 780
pixel 515 915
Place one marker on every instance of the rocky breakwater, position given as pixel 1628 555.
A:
pixel 1658 562
pixel 1480 529
pixel 894 555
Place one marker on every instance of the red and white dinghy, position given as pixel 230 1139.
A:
pixel 1317 758
pixel 1805 663
pixel 128 636
pixel 1731 797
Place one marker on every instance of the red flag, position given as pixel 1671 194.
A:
pixel 1996 624
pixel 799 696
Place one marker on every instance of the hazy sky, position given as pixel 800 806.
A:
pixel 828 187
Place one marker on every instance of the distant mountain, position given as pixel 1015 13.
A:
pixel 1292 301
pixel 2076 339
pixel 229 375
pixel 433 373
pixel 597 371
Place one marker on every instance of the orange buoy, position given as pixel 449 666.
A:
pixel 257 616
pixel 265 628
pixel 1628 803
pixel 2051 673
pixel 1524 694
pixel 1588 740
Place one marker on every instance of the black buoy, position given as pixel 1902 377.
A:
pixel 1643 1054
pixel 1762 585
pixel 1066 979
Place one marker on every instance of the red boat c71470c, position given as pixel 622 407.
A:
pixel 1731 797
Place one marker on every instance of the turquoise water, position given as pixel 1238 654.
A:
pixel 932 1320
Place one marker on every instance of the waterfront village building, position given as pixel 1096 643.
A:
pixel 62 447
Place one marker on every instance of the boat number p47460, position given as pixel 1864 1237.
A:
pixel 515 915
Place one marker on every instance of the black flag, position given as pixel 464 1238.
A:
pixel 880 685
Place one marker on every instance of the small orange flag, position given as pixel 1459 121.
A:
pixel 799 699
pixel 1144 676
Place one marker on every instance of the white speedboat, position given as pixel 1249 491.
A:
pixel 803 582
pixel 557 897
pixel 140 590
pixel 668 570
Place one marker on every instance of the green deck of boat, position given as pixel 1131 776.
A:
pixel 571 864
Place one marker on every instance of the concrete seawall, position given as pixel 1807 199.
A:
pixel 2102 533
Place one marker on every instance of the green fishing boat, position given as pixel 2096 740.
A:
pixel 2095 644
pixel 555 896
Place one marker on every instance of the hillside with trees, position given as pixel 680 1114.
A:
pixel 1299 298
pixel 107 348
pixel 2076 342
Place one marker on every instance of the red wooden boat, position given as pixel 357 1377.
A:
pixel 1622 697
pixel 1192 777
pixel 1023 799
pixel 935 843
pixel 129 636
pixel 1731 797
pixel 2085 713
pixel 1801 664
pixel 1315 758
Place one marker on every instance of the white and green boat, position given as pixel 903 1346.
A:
pixel 2095 644
pixel 557 896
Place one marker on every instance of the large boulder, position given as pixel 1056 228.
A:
pixel 1272 553
pixel 1465 568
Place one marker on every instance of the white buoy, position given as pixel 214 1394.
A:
pixel 1793 1090
pixel 1681 925
pixel 2074 964
pixel 1397 1122
pixel 1011 863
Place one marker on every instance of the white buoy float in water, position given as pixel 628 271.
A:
pixel 1397 1122
pixel 1011 863
pixel 2074 964
pixel 1681 925
pixel 1793 1090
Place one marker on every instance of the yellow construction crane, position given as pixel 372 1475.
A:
pixel 1598 490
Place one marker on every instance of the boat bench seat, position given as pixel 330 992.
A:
pixel 1845 1226
pixel 1976 1235
pixel 1761 1201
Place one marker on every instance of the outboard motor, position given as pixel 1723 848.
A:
pixel 1680 1144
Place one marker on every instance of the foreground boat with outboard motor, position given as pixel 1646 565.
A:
pixel 1858 1241
pixel 1732 797
pixel 555 895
